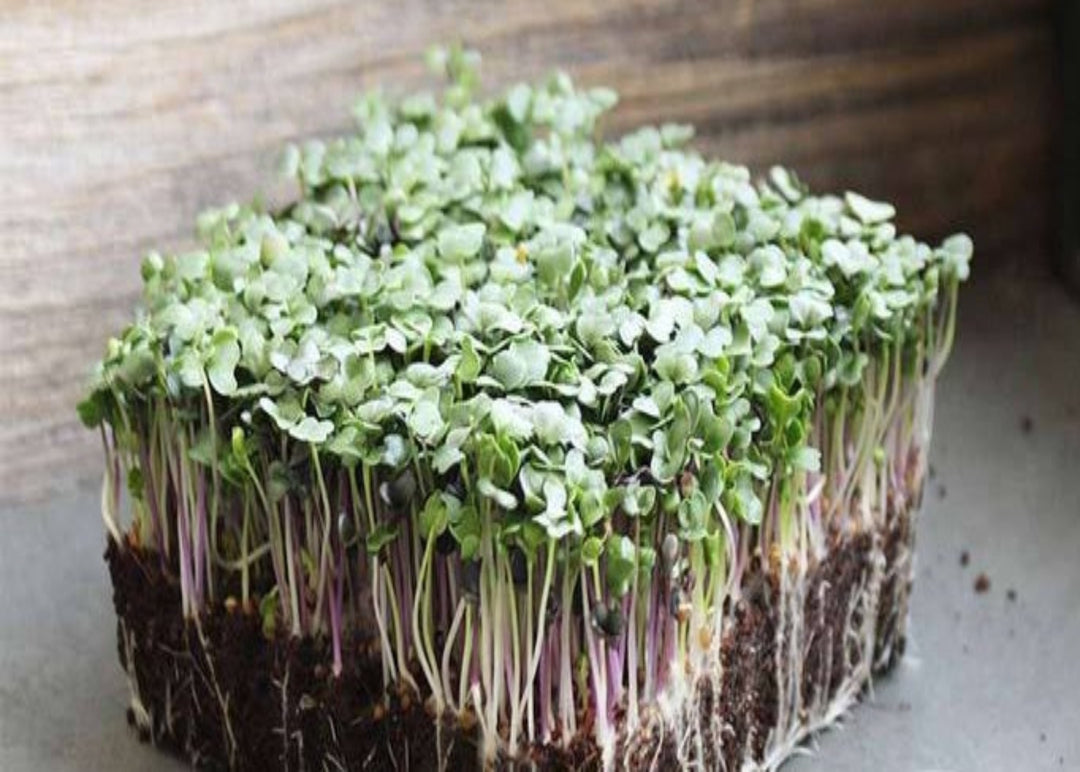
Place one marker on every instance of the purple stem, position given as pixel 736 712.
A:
pixel 152 503
pixel 335 607
pixel 298 571
pixel 593 648
pixel 183 541
pixel 670 634
pixel 402 570
pixel 658 606
pixel 201 549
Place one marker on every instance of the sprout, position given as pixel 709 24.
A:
pixel 565 392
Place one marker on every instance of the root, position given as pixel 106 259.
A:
pixel 144 720
pixel 283 687
pixel 223 699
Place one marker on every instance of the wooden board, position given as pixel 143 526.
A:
pixel 1068 27
pixel 119 121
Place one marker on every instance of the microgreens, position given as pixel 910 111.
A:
pixel 487 363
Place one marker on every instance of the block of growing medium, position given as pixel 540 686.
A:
pixel 507 443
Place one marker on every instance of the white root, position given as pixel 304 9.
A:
pixel 144 720
pixel 223 699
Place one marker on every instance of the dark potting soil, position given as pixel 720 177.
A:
pixel 221 695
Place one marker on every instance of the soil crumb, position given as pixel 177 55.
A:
pixel 982 583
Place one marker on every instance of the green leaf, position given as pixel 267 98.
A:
pixel 434 517
pixel 469 364
pixel 693 517
pixel 311 430
pixel 654 237
pixel 221 365
pixel 621 565
pixel 869 212
pixel 591 550
pixel 511 419
pixel 502 498
pixel 380 536
pixel 522 364
pixel 957 251
pixel 460 242
pixel 93 409
pixel 638 500
pixel 770 264
pixel 425 420
pixel 806 459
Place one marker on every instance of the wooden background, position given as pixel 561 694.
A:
pixel 120 120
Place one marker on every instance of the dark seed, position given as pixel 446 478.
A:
pixel 552 611
pixel 674 601
pixel 346 528
pixel 446 544
pixel 470 581
pixel 607 620
pixel 1010 595
pixel 519 566
pixel 1026 424
pixel 455 487
pixel 599 617
pixel 982 583
pixel 614 623
pixel 398 492
pixel 965 558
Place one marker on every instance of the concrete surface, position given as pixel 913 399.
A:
pixel 988 683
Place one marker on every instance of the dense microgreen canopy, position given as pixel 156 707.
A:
pixel 462 276
pixel 527 338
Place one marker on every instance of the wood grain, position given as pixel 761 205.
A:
pixel 120 120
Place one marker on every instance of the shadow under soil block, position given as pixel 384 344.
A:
pixel 798 647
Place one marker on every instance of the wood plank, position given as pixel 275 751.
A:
pixel 1068 223
pixel 120 121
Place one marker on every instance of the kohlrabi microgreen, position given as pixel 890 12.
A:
pixel 536 393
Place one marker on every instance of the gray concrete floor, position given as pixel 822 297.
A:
pixel 988 683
